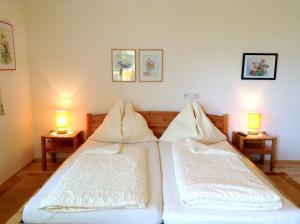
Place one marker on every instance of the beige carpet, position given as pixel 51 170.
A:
pixel 285 184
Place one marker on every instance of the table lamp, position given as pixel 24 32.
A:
pixel 253 123
pixel 62 121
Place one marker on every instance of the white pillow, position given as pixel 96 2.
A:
pixel 135 127
pixel 183 126
pixel 110 129
pixel 208 132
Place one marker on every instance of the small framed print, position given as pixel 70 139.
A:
pixel 259 66
pixel 7 50
pixel 151 65
pixel 123 65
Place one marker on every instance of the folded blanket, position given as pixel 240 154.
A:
pixel 97 148
pixel 98 181
pixel 198 147
pixel 219 180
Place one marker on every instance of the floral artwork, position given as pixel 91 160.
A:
pixel 7 54
pixel 259 66
pixel 123 65
pixel 151 65
pixel 5 51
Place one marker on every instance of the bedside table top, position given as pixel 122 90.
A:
pixel 260 136
pixel 53 134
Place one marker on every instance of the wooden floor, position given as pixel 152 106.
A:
pixel 18 189
pixel 292 168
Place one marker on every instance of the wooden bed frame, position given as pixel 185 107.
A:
pixel 158 121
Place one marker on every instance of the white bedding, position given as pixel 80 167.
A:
pixel 175 213
pixel 218 179
pixel 151 214
pixel 98 180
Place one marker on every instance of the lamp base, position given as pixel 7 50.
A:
pixel 253 132
pixel 62 131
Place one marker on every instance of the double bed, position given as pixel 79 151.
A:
pixel 164 203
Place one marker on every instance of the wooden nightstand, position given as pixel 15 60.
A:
pixel 256 144
pixel 60 143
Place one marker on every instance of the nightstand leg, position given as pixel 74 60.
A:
pixel 241 144
pixel 75 143
pixel 273 154
pixel 272 162
pixel 53 157
pixel 262 158
pixel 44 162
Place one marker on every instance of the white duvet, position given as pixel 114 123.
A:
pixel 100 178
pixel 218 179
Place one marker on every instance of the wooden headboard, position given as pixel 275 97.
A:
pixel 158 121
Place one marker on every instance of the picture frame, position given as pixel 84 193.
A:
pixel 7 47
pixel 123 65
pixel 150 65
pixel 259 66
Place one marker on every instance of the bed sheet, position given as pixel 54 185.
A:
pixel 152 214
pixel 175 213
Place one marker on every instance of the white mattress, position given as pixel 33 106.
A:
pixel 174 213
pixel 150 215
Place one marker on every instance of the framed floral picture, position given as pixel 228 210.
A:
pixel 151 65
pixel 123 65
pixel 7 50
pixel 259 66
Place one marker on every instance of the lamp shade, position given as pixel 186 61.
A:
pixel 62 121
pixel 254 120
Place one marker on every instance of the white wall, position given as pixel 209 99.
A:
pixel 203 41
pixel 16 126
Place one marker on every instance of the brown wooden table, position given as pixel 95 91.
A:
pixel 261 144
pixel 60 143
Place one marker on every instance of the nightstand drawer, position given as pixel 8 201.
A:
pixel 59 144
pixel 258 146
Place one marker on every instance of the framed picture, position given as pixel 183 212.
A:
pixel 123 65
pixel 151 65
pixel 259 66
pixel 7 50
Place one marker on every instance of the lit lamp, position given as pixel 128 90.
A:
pixel 62 121
pixel 253 123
